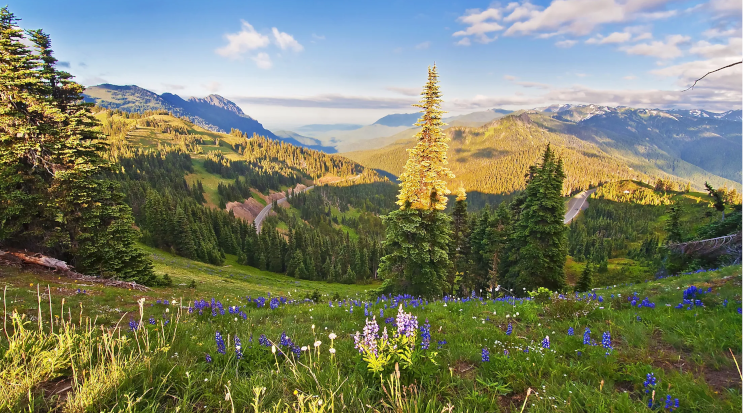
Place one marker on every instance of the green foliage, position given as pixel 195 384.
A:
pixel 541 295
pixel 417 242
pixel 537 245
pixel 52 198
pixel 673 225
pixel 585 281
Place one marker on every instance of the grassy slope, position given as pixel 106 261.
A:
pixel 476 155
pixel 687 350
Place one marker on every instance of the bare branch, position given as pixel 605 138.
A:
pixel 716 70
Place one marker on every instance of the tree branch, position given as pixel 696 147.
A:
pixel 716 70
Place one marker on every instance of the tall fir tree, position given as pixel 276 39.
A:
pixel 53 198
pixel 459 249
pixel 585 280
pixel 418 234
pixel 537 243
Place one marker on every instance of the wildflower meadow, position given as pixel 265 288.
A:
pixel 673 344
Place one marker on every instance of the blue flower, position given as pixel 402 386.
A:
pixel 262 340
pixel 220 343
pixel 650 382
pixel 208 358
pixel 571 331
pixel 425 335
pixel 238 348
pixel 587 336
pixel 546 342
pixel 441 344
pixel 606 342
pixel 485 354
pixel 133 325
pixel 381 313
pixel 509 330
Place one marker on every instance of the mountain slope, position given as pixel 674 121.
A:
pixel 691 145
pixel 599 145
pixel 213 112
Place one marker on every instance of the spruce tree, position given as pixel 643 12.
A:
pixel 673 225
pixel 585 280
pixel 418 234
pixel 53 195
pixel 537 244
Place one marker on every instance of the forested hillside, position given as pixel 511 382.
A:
pixel 178 178
pixel 597 146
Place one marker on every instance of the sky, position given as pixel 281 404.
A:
pixel 291 63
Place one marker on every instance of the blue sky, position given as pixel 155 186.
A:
pixel 292 63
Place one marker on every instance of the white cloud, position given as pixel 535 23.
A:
pixel 212 87
pixel 707 98
pixel 575 17
pixel 509 77
pixel 725 83
pixel 566 43
pixel 663 50
pixel 407 91
pixel 480 24
pixel 658 15
pixel 709 50
pixel 318 36
pixel 262 60
pixel 285 40
pixel 616 37
pixel 535 85
pixel 464 42
pixel 423 46
pixel 245 40
pixel 521 11
pixel 171 86
pixel 630 77
pixel 718 33
pixel 732 8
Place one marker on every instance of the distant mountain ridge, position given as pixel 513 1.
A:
pixel 215 113
pixel 600 143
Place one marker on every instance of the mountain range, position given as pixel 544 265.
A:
pixel 598 144
pixel 214 112
pixel 683 145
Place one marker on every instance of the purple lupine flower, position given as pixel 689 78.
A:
pixel 546 342
pixel 587 336
pixel 571 331
pixel 381 313
pixel 606 342
pixel 262 340
pixel 441 344
pixel 220 343
pixel 152 320
pixel 274 304
pixel 133 325
pixel 425 335
pixel 208 358
pixel 485 354
pixel 284 340
pixel 407 324
pixel 238 348
pixel 650 382
pixel 509 330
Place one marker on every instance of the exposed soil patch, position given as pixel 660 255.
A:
pixel 464 369
pixel 246 210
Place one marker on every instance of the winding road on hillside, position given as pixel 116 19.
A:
pixel 577 204
pixel 264 212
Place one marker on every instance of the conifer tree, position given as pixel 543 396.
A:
pixel 537 244
pixel 53 195
pixel 585 281
pixel 673 225
pixel 418 234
